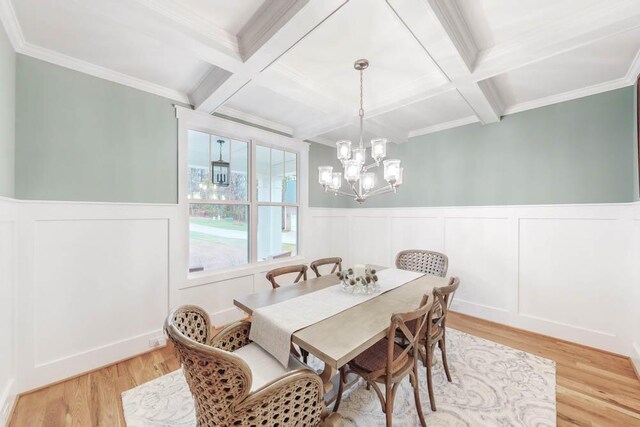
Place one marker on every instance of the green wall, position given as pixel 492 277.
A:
pixel 7 114
pixel 81 138
pixel 580 151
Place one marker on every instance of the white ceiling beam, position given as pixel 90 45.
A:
pixel 316 128
pixel 392 133
pixel 274 29
pixel 439 27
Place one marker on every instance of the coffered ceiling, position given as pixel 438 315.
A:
pixel 288 64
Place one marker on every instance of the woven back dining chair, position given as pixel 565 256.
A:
pixel 428 262
pixel 301 269
pixel 335 261
pixel 388 363
pixel 442 298
pixel 224 389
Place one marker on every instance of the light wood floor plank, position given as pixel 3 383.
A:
pixel 594 388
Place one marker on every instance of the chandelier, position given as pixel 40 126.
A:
pixel 355 172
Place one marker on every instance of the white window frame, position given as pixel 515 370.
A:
pixel 193 120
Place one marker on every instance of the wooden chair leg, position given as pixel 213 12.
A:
pixel 432 399
pixel 341 381
pixel 443 350
pixel 388 410
pixel 416 393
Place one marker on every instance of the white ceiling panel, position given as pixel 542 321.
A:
pixel 352 133
pixel 75 30
pixel 267 104
pixel 601 62
pixel 444 108
pixel 494 22
pixel 362 29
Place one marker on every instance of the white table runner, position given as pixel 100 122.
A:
pixel 272 326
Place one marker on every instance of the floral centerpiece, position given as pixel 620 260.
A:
pixel 359 280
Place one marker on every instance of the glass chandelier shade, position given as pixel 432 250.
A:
pixel 391 170
pixel 343 148
pixel 359 155
pixel 368 181
pixel 352 170
pixel 336 181
pixel 378 149
pixel 325 175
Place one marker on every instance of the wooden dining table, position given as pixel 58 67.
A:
pixel 338 339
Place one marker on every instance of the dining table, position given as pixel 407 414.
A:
pixel 338 339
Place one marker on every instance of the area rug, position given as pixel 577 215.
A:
pixel 493 385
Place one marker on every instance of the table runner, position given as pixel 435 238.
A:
pixel 272 326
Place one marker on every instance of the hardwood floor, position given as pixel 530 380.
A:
pixel 594 388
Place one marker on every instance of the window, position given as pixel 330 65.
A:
pixel 277 198
pixel 229 225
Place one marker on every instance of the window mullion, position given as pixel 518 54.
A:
pixel 253 199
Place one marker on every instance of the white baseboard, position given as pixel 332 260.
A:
pixel 75 364
pixel 7 399
pixel 635 359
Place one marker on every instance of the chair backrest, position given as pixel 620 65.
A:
pixel 412 327
pixel 442 301
pixel 336 261
pixel 300 269
pixel 423 261
pixel 217 379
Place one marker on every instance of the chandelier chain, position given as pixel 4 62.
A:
pixel 361 111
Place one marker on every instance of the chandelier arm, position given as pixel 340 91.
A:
pixel 381 190
pixel 342 193
pixel 370 166
pixel 355 191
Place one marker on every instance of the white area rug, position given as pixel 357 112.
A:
pixel 493 385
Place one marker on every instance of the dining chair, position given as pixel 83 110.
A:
pixel 236 383
pixel 301 269
pixel 423 261
pixel 442 298
pixel 388 363
pixel 336 261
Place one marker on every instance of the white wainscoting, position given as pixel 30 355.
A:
pixel 8 216
pixel 96 282
pixel 549 269
pixel 635 253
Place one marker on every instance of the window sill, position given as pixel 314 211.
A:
pixel 208 277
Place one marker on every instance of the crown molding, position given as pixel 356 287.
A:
pixel 14 31
pixel 634 69
pixel 322 140
pixel 11 25
pixel 62 60
pixel 443 126
pixel 255 120
pixel 570 95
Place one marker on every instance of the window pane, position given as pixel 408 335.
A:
pixel 205 149
pixel 263 173
pixel 277 175
pixel 218 236
pixel 277 232
pixel 290 178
